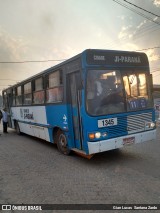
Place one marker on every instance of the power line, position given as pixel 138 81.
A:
pixel 156 75
pixel 5 79
pixel 22 62
pixel 141 32
pixel 10 62
pixel 137 12
pixel 155 71
pixel 151 48
pixel 141 8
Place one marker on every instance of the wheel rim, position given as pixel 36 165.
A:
pixel 63 141
pixel 62 144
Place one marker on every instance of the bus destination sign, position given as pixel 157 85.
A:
pixel 127 59
pixel 116 58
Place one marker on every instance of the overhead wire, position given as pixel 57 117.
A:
pixel 141 32
pixel 5 79
pixel 10 62
pixel 21 62
pixel 155 70
pixel 135 11
pixel 5 62
pixel 150 48
pixel 141 8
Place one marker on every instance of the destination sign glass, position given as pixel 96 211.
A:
pixel 115 58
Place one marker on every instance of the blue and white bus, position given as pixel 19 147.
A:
pixel 97 101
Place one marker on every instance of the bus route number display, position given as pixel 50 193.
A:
pixel 107 122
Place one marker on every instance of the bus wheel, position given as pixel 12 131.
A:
pixel 62 143
pixel 18 129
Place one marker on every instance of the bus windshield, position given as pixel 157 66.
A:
pixel 136 90
pixel 111 91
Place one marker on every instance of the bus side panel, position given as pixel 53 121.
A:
pixel 32 120
pixel 57 116
pixel 40 121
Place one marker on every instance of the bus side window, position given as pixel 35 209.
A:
pixel 14 97
pixel 38 94
pixel 27 94
pixel 19 95
pixel 54 91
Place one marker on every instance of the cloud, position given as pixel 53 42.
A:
pixel 18 49
pixel 12 48
pixel 131 46
pixel 157 3
pixel 61 29
pixel 125 32
pixel 122 17
pixel 155 18
pixel 141 24
pixel 152 55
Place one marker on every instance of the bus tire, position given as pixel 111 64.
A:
pixel 62 143
pixel 18 129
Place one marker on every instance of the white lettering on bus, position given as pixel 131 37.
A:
pixel 127 59
pixel 99 57
pixel 25 114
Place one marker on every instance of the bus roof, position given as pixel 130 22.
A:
pixel 100 57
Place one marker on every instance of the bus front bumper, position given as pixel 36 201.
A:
pixel 115 143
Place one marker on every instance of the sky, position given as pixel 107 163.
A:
pixel 37 30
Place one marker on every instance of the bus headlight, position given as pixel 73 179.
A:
pixel 149 125
pixel 152 125
pixel 94 135
pixel 97 135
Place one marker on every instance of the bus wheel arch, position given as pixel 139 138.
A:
pixel 61 141
pixel 55 133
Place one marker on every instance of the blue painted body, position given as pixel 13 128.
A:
pixel 55 116
pixel 56 113
pixel 61 115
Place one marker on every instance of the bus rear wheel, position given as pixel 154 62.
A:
pixel 62 143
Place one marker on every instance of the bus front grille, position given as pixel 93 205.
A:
pixel 136 123
pixel 129 124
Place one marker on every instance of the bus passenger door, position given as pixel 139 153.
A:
pixel 74 100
